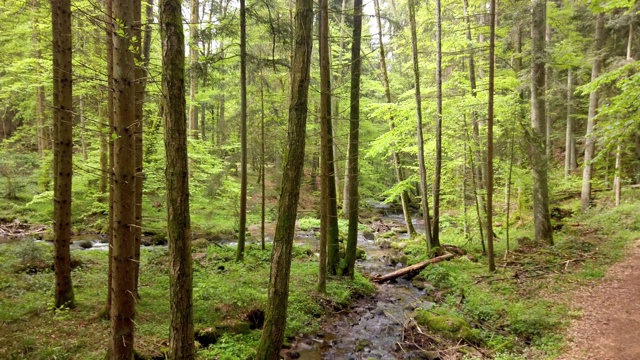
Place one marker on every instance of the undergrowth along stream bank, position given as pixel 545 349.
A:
pixel 521 310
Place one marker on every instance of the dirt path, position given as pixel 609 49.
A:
pixel 609 328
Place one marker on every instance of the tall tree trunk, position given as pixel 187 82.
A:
pixel 404 196
pixel 435 239
pixel 193 74
pixel 83 143
pixel 354 133
pixel 108 19
pixel 590 139
pixel 124 219
pixel 181 334
pixel 276 312
pixel 492 46
pixel 477 157
pixel 63 139
pixel 243 132
pixel 539 161
pixel 569 154
pixel 329 209
pixel 418 97
pixel 263 198
pixel 40 98
pixel 547 99
pixel 617 183
pixel 142 56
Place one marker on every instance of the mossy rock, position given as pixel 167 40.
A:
pixel 388 235
pixel 199 244
pixel 361 254
pixel 450 326
pixel 368 235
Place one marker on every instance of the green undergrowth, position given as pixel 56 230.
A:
pixel 228 299
pixel 521 310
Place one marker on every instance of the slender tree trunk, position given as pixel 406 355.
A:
pixel 40 98
pixel 590 141
pixel 617 183
pixel 511 156
pixel 243 132
pixel 276 312
pixel 181 334
pixel 418 98
pixel 142 58
pixel 345 191
pixel 124 219
pixel 110 114
pixel 404 196
pixel 328 211
pixel 438 170
pixel 193 74
pixel 63 139
pixel 354 133
pixel 492 46
pixel 548 91
pixel 263 183
pixel 569 154
pixel 539 161
pixel 477 157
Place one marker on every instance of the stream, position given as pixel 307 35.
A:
pixel 372 328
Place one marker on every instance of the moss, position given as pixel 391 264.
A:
pixel 450 326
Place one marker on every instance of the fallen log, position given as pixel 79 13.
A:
pixel 411 269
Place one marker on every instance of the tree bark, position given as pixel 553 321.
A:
pixel 243 132
pixel 354 134
pixel 329 209
pixel 181 334
pixel 63 139
pixel 40 96
pixel 492 46
pixel 110 111
pixel 276 312
pixel 438 170
pixel 124 215
pixel 569 154
pixel 421 162
pixel 404 196
pixel 590 139
pixel 193 63
pixel 539 161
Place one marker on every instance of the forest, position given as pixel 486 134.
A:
pixel 388 179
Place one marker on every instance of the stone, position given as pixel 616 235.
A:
pixel 86 244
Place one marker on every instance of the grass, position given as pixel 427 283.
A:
pixel 224 293
pixel 515 309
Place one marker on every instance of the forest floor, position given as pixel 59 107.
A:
pixel 609 327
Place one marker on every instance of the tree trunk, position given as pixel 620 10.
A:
pixel 181 335
pixel 354 133
pixel 40 96
pixel 590 139
pixel 276 312
pixel 539 161
pixel 404 197
pixel 263 198
pixel 492 45
pixel 617 185
pixel 243 132
pixel 413 269
pixel 569 154
pixel 193 74
pixel 83 143
pixel 108 19
pixel 477 157
pixel 421 163
pixel 438 170
pixel 329 210
pixel 124 219
pixel 548 90
pixel 63 139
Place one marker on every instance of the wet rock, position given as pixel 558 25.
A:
pixel 400 229
pixel 368 235
pixel 86 244
pixel 421 355
pixel 361 344
pixel 384 244
pixel 418 283
pixel 387 235
pixel 292 354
